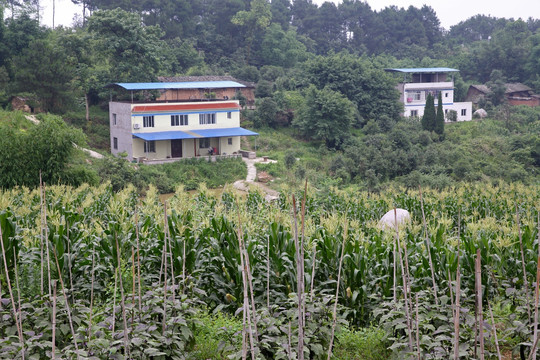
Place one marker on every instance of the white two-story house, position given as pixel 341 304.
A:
pixel 419 82
pixel 156 132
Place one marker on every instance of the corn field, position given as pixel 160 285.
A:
pixel 91 274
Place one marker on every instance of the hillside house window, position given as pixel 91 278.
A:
pixel 115 143
pixel 229 115
pixel 148 121
pixel 463 112
pixel 179 120
pixel 114 119
pixel 414 113
pixel 149 146
pixel 415 96
pixel 204 143
pixel 205 119
pixel 445 94
pixel 229 141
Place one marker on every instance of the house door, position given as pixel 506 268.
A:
pixel 176 148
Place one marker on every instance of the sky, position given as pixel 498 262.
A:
pixel 449 12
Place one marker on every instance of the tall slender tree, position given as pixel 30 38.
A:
pixel 428 120
pixel 439 119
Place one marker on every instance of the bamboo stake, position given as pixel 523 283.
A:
pixel 250 282
pixel 114 300
pixel 289 348
pixel 69 262
pixel 184 266
pixel 91 294
pixel 417 330
pixel 302 255
pixel 122 302
pixel 268 273
pixel 18 289
pixel 133 286
pixel 451 292
pixel 19 329
pixel 395 270
pixel 53 356
pixel 70 320
pixel 47 241
pixel 405 283
pixel 428 244
pixel 299 285
pixel 138 260
pixel 313 270
pixel 42 228
pixel 525 283
pixel 536 295
pixel 457 310
pixel 334 312
pixel 243 263
pixel 164 322
pixel 169 252
pixel 494 333
pixel 479 302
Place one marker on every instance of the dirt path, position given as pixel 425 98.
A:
pixel 244 185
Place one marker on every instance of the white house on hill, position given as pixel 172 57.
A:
pixel 157 132
pixel 419 82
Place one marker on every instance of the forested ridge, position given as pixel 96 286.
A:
pixel 319 76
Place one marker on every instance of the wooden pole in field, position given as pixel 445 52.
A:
pixel 18 288
pixel 47 241
pixel 494 332
pixel 536 297
pixel 478 273
pixel 457 310
pixel 246 311
pixel 114 301
pixel 405 283
pixel 298 285
pixel 428 245
pixel 165 265
pixel 138 261
pixel 122 301
pixel 17 323
pixel 313 270
pixel 53 356
pixel 334 312
pixel 91 294
pixel 525 282
pixel 419 352
pixel 68 310
pixel 42 229
pixel 268 272
pixel 302 255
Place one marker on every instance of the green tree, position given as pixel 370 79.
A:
pixel 326 115
pixel 256 19
pixel 43 70
pixel 429 118
pixel 47 147
pixel 439 119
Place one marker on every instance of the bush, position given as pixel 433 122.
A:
pixel 365 344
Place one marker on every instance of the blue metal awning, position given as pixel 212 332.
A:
pixel 238 131
pixel 164 135
pixel 192 134
pixel 424 70
pixel 179 85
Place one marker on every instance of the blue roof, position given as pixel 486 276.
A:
pixel 179 85
pixel 424 70
pixel 164 135
pixel 192 134
pixel 238 131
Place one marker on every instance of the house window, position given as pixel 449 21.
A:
pixel 179 120
pixel 148 121
pixel 149 146
pixel 114 119
pixel 229 141
pixel 445 94
pixel 204 143
pixel 446 111
pixel 463 112
pixel 115 143
pixel 229 115
pixel 414 113
pixel 205 119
